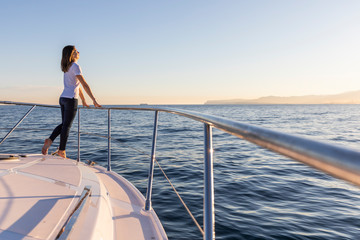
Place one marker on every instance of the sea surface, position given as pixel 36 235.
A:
pixel 258 194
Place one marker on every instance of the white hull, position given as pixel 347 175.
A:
pixel 39 195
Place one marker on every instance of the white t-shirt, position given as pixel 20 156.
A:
pixel 71 84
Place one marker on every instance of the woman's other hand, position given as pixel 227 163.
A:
pixel 85 104
pixel 96 104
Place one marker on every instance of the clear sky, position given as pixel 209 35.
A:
pixel 181 51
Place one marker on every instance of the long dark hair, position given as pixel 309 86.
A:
pixel 67 57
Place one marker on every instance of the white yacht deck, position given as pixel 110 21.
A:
pixel 39 195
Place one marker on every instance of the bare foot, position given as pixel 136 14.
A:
pixel 46 146
pixel 62 153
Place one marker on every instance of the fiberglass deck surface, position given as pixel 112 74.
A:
pixel 38 194
pixel 32 200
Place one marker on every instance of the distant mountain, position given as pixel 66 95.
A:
pixel 343 98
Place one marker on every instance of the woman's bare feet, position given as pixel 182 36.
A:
pixel 46 146
pixel 62 153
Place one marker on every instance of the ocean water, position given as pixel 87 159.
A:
pixel 258 194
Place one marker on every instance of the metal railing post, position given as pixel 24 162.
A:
pixel 151 169
pixel 78 153
pixel 26 114
pixel 209 210
pixel 109 141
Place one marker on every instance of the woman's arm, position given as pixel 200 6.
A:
pixel 87 89
pixel 82 98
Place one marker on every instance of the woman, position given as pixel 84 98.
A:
pixel 69 98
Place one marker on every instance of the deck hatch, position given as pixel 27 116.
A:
pixel 69 224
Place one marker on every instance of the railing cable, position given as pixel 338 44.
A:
pixel 187 209
pixel 163 172
pixel 172 186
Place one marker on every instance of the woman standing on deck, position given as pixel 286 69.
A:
pixel 69 98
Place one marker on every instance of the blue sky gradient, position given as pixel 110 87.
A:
pixel 174 52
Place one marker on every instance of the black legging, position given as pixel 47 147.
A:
pixel 68 111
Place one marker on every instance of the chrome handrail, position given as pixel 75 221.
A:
pixel 17 124
pixel 152 160
pixel 341 162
